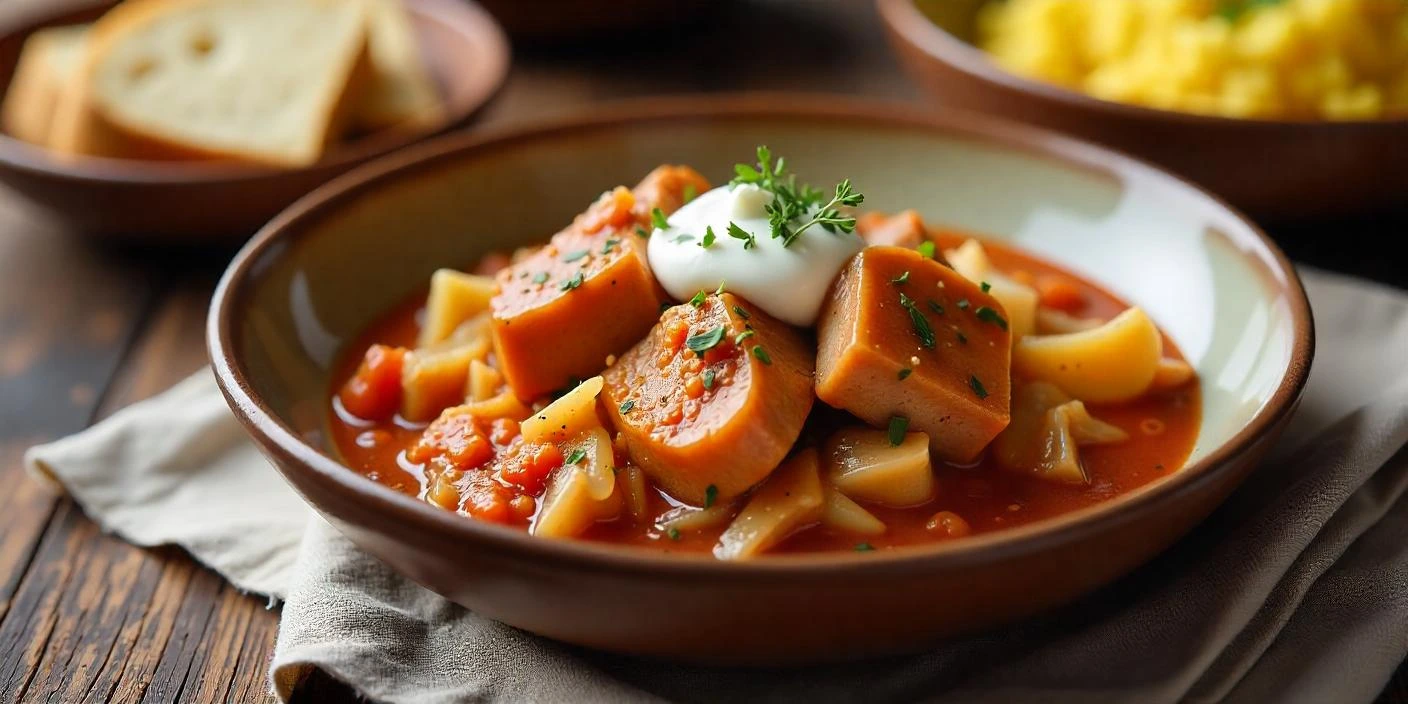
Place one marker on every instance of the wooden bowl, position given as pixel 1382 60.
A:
pixel 312 279
pixel 191 202
pixel 1277 170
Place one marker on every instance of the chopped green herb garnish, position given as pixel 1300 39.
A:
pixel 571 283
pixel 904 373
pixel 963 304
pixel 681 239
pixel 708 240
pixel 698 299
pixel 791 202
pixel 921 324
pixel 934 306
pixel 978 387
pixel 985 286
pixel 574 256
pixel 738 233
pixel 657 218
pixel 720 290
pixel 626 406
pixel 962 339
pixel 740 337
pixel 540 277
pixel 899 425
pixel 711 494
pixel 864 547
pixel 926 248
pixel 704 341
pixel 575 456
pixel 674 533
pixel 606 248
pixel 989 315
pixel 689 192
pixel 741 313
pixel 642 232
pixel 901 279
pixel 761 354
pixel 708 379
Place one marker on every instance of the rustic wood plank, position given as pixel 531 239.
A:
pixel 67 311
pixel 164 629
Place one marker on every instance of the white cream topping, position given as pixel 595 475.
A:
pixel 790 283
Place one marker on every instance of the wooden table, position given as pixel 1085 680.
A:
pixel 86 328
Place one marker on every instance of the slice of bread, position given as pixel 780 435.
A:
pixel 262 81
pixel 48 61
pixel 401 91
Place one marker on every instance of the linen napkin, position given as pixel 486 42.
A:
pixel 1295 590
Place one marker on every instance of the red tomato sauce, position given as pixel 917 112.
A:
pixel 974 499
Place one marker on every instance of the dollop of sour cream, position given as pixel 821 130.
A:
pixel 790 283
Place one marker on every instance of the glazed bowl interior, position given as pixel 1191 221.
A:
pixel 1202 273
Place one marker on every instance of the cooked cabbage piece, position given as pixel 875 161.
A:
pixel 484 381
pixel 454 298
pixel 581 492
pixel 864 465
pixel 1172 373
pixel 501 405
pixel 1018 299
pixel 790 499
pixel 688 518
pixel 567 417
pixel 433 380
pixel 844 514
pixel 436 376
pixel 1046 431
pixel 1051 321
pixel 632 481
pixel 1112 363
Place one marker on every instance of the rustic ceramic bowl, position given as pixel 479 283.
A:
pixel 324 269
pixel 191 202
pixel 1276 170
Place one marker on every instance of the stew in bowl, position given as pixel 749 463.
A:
pixel 754 369
pixel 1091 233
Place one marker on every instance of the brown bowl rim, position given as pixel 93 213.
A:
pixel 907 22
pixel 399 509
pixel 486 78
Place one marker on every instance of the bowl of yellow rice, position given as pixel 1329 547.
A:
pixel 1287 108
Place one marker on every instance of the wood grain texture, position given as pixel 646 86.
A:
pixel 85 331
pixel 127 624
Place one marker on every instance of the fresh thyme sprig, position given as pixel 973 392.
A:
pixel 792 201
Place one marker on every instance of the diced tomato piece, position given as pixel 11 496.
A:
pixel 522 507
pixel 1060 293
pixel 456 438
pixel 374 392
pixel 485 499
pixel 531 468
pixel 613 210
pixel 474 451
pixel 503 431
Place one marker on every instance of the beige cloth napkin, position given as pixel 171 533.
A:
pixel 1295 590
